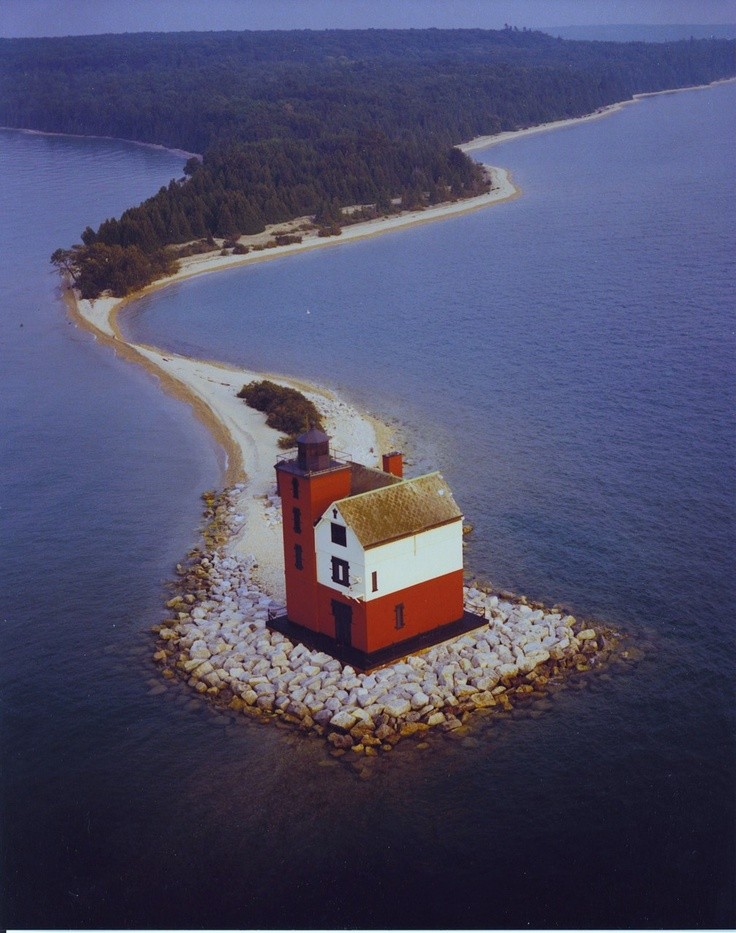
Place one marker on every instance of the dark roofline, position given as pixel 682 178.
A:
pixel 401 481
pixel 314 435
pixel 289 464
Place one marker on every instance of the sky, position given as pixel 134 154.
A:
pixel 83 17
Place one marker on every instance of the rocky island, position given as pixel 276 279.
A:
pixel 217 638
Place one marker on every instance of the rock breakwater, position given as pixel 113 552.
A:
pixel 217 638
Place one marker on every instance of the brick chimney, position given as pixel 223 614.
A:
pixel 394 463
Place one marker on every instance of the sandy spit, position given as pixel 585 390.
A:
pixel 250 447
pixel 198 381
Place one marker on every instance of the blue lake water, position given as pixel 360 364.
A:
pixel 567 359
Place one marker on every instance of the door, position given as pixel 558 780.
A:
pixel 343 622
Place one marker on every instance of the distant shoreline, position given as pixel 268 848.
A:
pixel 115 139
pixel 102 313
pixel 485 142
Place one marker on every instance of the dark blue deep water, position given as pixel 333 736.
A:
pixel 568 360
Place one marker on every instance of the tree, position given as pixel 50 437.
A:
pixel 65 262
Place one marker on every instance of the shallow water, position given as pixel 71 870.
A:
pixel 567 360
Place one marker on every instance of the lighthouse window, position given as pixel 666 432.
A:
pixel 399 614
pixel 339 534
pixel 297 513
pixel 374 581
pixel 340 571
pixel 298 562
pixel 295 487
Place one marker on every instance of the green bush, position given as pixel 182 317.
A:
pixel 286 409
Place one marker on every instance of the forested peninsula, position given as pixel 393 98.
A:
pixel 306 124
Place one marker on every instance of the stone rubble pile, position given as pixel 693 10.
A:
pixel 217 638
pixel 271 507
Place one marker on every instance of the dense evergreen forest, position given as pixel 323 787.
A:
pixel 305 123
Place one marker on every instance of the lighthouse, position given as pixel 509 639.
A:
pixel 373 562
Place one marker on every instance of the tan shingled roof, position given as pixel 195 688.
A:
pixel 406 508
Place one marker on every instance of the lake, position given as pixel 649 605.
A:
pixel 567 360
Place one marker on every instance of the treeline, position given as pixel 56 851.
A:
pixel 191 90
pixel 238 189
pixel 303 123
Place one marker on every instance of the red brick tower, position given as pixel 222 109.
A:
pixel 307 485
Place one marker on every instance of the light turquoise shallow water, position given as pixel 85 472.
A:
pixel 567 360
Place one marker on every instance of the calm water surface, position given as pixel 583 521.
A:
pixel 567 360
